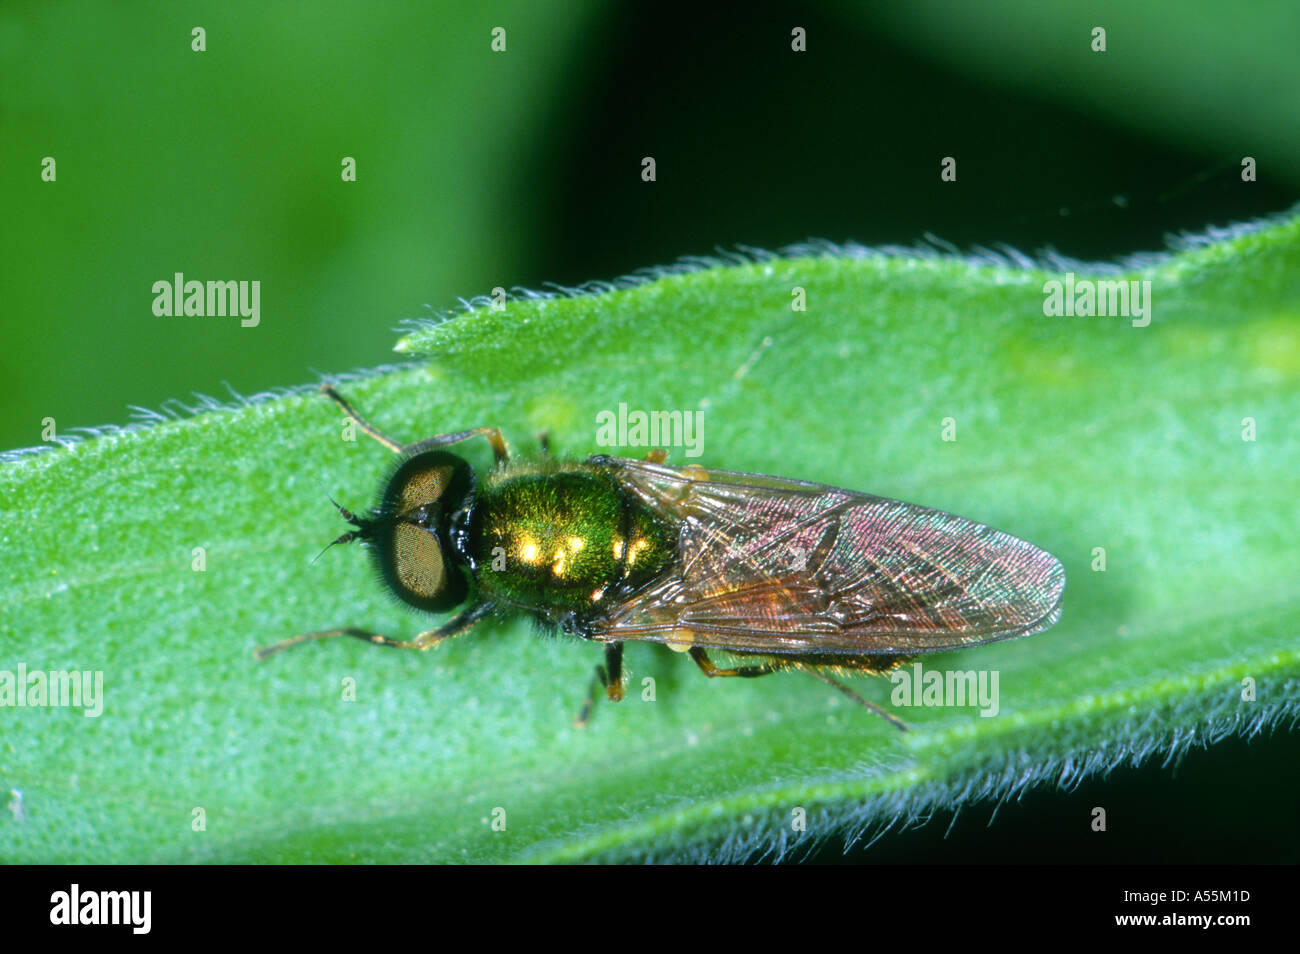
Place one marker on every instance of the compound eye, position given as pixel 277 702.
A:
pixel 420 483
pixel 418 562
pixel 411 545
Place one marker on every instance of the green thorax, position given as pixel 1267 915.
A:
pixel 566 541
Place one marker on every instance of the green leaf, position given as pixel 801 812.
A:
pixel 1074 433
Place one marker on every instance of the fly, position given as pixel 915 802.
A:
pixel 781 574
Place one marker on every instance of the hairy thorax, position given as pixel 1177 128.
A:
pixel 566 541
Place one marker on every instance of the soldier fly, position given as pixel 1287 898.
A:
pixel 780 573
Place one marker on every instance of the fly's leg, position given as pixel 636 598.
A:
pixel 426 640
pixel 657 456
pixel 614 672
pixel 706 666
pixel 493 435
pixel 893 720
pixel 610 676
pixel 745 672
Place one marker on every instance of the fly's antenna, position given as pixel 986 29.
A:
pixel 346 538
pixel 362 531
pixel 344 511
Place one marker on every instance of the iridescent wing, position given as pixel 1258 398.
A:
pixel 778 566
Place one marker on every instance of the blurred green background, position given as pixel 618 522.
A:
pixel 478 168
